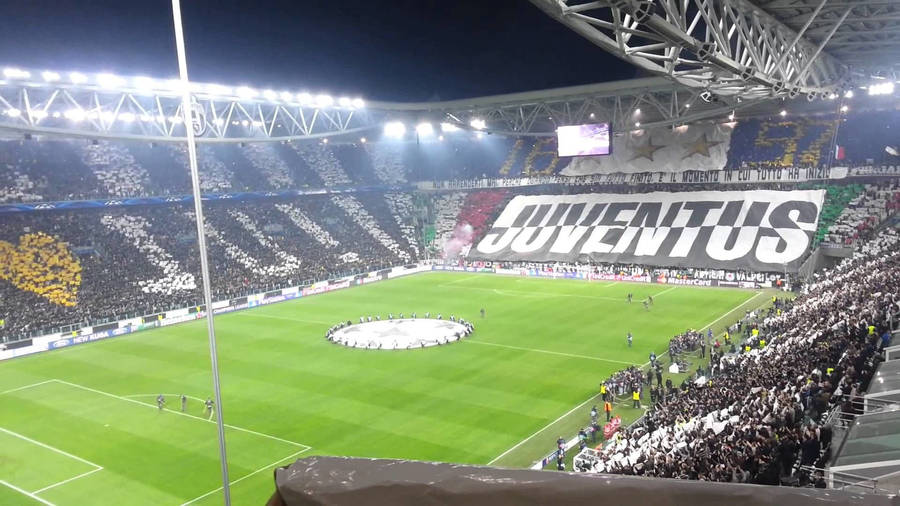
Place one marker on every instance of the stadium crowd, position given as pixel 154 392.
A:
pixel 118 263
pixel 758 415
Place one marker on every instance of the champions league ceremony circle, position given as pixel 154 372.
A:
pixel 374 333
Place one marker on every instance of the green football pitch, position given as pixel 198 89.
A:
pixel 80 425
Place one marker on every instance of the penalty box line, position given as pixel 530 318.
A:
pixel 242 478
pixel 26 493
pixel 135 401
pixel 33 494
pixel 179 413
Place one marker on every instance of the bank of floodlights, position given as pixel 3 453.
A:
pixel 883 88
pixel 395 129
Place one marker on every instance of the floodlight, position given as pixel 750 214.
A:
pixel 146 117
pixel 219 122
pixel 144 83
pixel 56 114
pixel 50 76
pixel 394 129
pixel 783 113
pixel 848 94
pixel 324 100
pixel 832 96
pixel 127 117
pixel 344 102
pixel 424 129
pixel 687 106
pixel 257 123
pixel 13 113
pixel 592 115
pixel 637 111
pixel 637 124
pixel 13 73
pixel 844 108
pixel 75 114
pixel 449 127
pixel 358 103
pixel 269 95
pixel 77 77
pixel 161 119
pixel 362 140
pixel 440 137
pixel 39 114
pixel 325 140
pixel 176 119
pixel 92 115
pixel 304 98
pixel 286 96
pixel 885 88
pixel 109 80
pixel 107 115
pixel 245 123
pixel 245 92
pixel 479 135
pixel 478 124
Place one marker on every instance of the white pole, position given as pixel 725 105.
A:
pixel 187 111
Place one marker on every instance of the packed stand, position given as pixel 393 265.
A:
pixel 92 266
pixel 759 416
pixel 863 214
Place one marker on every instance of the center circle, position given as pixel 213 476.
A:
pixel 400 334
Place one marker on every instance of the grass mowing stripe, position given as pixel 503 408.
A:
pixel 274 317
pixel 26 493
pixel 233 427
pixel 454 403
pixel 534 350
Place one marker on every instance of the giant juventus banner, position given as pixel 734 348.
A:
pixel 752 230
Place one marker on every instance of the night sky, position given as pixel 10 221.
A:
pixel 403 50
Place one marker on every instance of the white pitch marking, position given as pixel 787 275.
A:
pixel 542 429
pixel 274 317
pixel 732 309
pixel 172 395
pixel 242 478
pixel 726 313
pixel 241 429
pixel 549 352
pixel 667 290
pixel 27 493
pixel 25 387
pixel 57 450
pixel 82 475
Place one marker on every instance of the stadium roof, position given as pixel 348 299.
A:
pixel 868 38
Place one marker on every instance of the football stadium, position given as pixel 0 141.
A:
pixel 680 288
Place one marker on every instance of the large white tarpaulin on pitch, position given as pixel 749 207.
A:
pixel 752 230
pixel 697 147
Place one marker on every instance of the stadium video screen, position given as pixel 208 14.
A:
pixel 583 140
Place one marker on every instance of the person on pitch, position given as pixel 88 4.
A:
pixel 629 337
pixel 209 406
pixel 160 402
pixel 183 403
